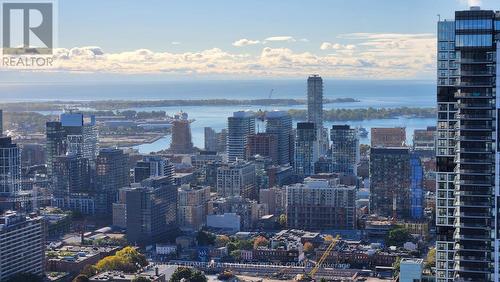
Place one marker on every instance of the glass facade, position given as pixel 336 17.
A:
pixel 474 40
pixel 474 24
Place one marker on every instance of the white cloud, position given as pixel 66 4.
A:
pixel 471 3
pixel 176 43
pixel 280 38
pixel 245 42
pixel 376 55
pixel 336 46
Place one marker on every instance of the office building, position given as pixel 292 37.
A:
pixel 471 242
pixel 388 137
pixel 320 204
pixel 345 149
pixel 237 179
pixel 153 166
pixel 81 135
pixel 279 123
pixel 239 127
pixel 54 144
pixel 22 245
pixel 120 209
pixel 71 175
pixel 306 149
pixel 210 139
pixel 390 182
pixel 192 207
pixel 315 101
pixel 10 173
pixel 263 144
pixel 151 210
pixel 112 174
pixel 182 142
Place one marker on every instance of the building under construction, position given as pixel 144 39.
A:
pixel 182 142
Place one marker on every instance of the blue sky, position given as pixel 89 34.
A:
pixel 385 39
pixel 122 25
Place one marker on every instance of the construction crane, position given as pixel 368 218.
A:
pixel 262 114
pixel 324 256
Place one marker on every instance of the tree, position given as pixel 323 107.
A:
pixel 198 276
pixel 188 274
pixel 396 265
pixel 308 247
pixel 180 273
pixel 282 220
pixel 398 236
pixel 231 246
pixel 81 278
pixel 430 261
pixel 133 256
pixel 222 240
pixel 127 259
pixel 260 241
pixel 204 238
pixel 236 254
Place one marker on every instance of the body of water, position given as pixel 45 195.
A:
pixel 216 117
pixel 375 94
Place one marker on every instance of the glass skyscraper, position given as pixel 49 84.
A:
pixel 279 123
pixel 345 149
pixel 467 148
pixel 239 127
pixel 306 149
pixel 315 100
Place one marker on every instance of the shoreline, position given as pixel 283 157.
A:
pixel 58 105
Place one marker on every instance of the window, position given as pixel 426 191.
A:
pixel 443 45
pixel 474 40
pixel 473 24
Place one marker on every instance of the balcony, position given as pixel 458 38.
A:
pixel 473 117
pixel 471 258
pixel 473 215
pixel 473 171
pixel 473 138
pixel 473 95
pixel 476 73
pixel 476 60
pixel 475 106
pixel 485 161
pixel 471 225
pixel 466 150
pixel 475 127
pixel 471 204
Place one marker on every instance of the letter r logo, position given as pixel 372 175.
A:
pixel 27 28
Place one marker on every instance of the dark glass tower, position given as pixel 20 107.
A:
pixel 474 228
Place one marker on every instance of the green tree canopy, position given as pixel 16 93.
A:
pixel 398 236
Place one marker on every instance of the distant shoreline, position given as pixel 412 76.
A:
pixel 127 104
